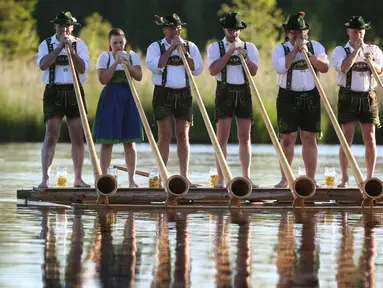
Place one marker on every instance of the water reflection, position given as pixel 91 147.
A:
pixel 368 256
pixel 113 257
pixel 50 267
pixel 242 277
pixel 308 264
pixel 74 264
pixel 285 251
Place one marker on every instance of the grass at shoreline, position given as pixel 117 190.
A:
pixel 21 90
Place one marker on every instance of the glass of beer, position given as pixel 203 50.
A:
pixel 213 178
pixel 61 177
pixel 329 176
pixel 154 181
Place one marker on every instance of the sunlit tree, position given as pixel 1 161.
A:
pixel 263 18
pixel 18 36
pixel 95 35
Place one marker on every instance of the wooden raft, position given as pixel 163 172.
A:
pixel 143 195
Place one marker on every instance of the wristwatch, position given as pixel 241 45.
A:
pixel 309 54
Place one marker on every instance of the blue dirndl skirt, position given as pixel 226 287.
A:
pixel 117 119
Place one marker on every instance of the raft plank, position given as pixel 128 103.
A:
pixel 69 195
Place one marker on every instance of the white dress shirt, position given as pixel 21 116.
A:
pixel 360 81
pixel 105 56
pixel 302 80
pixel 175 78
pixel 63 74
pixel 234 72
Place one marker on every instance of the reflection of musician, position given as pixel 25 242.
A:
pixel 107 256
pixel 345 275
pixel 242 277
pixel 307 272
pixel 126 257
pixel 74 265
pixel 161 271
pixel 50 267
pixel 222 257
pixel 368 256
pixel 285 252
pixel 181 265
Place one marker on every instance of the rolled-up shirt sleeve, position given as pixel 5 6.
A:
pixel 212 54
pixel 43 51
pixel 153 55
pixel 278 59
pixel 338 55
pixel 320 52
pixel 83 53
pixel 252 53
pixel 196 55
pixel 378 57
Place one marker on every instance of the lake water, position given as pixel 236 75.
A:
pixel 56 247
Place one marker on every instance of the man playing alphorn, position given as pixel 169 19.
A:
pixel 172 96
pixel 233 95
pixel 357 99
pixel 59 95
pixel 298 100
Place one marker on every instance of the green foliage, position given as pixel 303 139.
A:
pixel 95 35
pixel 17 28
pixel 262 17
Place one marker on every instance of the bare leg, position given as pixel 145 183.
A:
pixel 348 131
pixel 287 142
pixel 183 146
pixel 243 132
pixel 52 134
pixel 131 160
pixel 164 136
pixel 76 135
pixel 223 133
pixel 368 132
pixel 105 157
pixel 309 152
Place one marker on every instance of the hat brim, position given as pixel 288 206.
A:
pixel 242 26
pixel 65 23
pixel 306 27
pixel 169 25
pixel 366 26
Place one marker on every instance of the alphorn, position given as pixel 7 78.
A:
pixel 372 188
pixel 302 187
pixel 105 184
pixel 175 185
pixel 238 187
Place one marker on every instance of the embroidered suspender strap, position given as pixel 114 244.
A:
pixel 53 66
pixel 74 46
pixel 186 74
pixel 311 50
pixel 165 72
pixel 290 71
pixel 244 74
pixel 224 71
pixel 349 73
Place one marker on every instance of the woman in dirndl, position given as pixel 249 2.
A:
pixel 117 119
